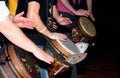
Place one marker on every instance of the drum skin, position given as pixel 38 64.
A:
pixel 17 63
pixel 83 30
pixel 67 48
pixel 87 27
pixel 64 49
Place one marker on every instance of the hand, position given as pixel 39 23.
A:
pixel 23 22
pixel 63 20
pixel 41 55
pixel 82 12
pixel 59 36
pixel 92 17
pixel 51 24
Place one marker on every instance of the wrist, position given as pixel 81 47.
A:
pixel 74 12
pixel 58 18
pixel 45 32
pixel 41 31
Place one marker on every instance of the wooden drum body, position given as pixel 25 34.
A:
pixel 83 30
pixel 17 63
pixel 65 53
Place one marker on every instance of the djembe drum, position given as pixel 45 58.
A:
pixel 17 63
pixel 65 53
pixel 83 30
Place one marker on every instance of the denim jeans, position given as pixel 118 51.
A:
pixel 43 71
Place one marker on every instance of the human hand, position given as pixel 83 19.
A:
pixel 63 20
pixel 92 17
pixel 59 36
pixel 82 12
pixel 23 22
pixel 51 24
pixel 41 55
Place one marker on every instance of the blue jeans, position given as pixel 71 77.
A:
pixel 43 71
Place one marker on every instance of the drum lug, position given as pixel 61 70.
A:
pixel 3 62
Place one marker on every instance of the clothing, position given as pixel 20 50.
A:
pixel 62 8
pixel 12 5
pixel 4 12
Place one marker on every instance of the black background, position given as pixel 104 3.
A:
pixel 107 15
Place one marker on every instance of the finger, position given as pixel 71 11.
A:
pixel 93 19
pixel 60 15
pixel 62 37
pixel 21 13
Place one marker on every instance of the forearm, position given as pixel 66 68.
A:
pixel 89 5
pixel 16 36
pixel 40 25
pixel 33 14
pixel 55 12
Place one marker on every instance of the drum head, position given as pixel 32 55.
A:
pixel 69 46
pixel 87 26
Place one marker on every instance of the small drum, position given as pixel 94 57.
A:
pixel 65 53
pixel 17 63
pixel 83 30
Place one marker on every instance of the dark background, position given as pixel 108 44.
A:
pixel 107 15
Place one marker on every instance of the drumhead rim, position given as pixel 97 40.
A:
pixel 91 34
pixel 22 71
pixel 67 48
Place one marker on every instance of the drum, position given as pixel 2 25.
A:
pixel 17 63
pixel 83 30
pixel 65 53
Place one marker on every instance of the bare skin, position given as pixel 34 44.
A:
pixel 80 12
pixel 33 14
pixel 23 22
pixel 16 36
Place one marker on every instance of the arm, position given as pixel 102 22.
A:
pixel 79 12
pixel 16 36
pixel 89 6
pixel 33 14
pixel 61 20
